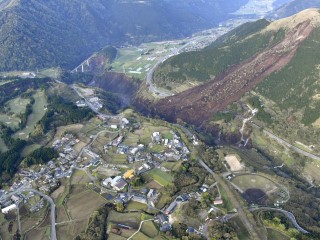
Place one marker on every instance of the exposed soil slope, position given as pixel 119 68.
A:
pixel 198 104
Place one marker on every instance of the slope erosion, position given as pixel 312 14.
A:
pixel 198 104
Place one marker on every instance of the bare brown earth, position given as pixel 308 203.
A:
pixel 197 105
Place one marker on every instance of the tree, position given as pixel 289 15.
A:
pixel 179 229
pixel 119 207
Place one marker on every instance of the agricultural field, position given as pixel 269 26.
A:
pixel 79 177
pixel 163 178
pixel 173 166
pixel 275 234
pixel 136 206
pixel 149 229
pixel 68 231
pixel 83 204
pixel 38 111
pixel 137 61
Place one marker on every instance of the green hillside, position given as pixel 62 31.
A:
pixel 297 85
pixel 55 32
pixel 202 66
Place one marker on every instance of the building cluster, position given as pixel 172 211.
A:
pixel 96 102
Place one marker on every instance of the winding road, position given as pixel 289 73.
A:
pixel 53 234
pixel 288 214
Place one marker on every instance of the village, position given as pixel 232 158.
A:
pixel 148 158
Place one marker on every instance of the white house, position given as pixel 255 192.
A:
pixel 9 208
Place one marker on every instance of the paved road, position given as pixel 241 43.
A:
pixel 289 215
pixel 119 116
pixel 249 225
pixel 53 234
pixel 18 219
pixel 174 52
pixel 285 143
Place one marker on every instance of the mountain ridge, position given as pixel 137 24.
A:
pixel 40 34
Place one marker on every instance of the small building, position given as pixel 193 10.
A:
pixel 163 221
pixel 125 121
pixel 134 151
pixel 113 126
pixel 151 193
pixel 218 201
pixel 128 174
pixel 120 185
pixel 156 137
pixel 9 208
pixel 139 198
pixel 171 207
pixel 15 198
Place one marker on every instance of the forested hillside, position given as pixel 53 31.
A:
pixel 56 32
pixel 277 60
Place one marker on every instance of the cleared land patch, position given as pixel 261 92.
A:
pixel 83 204
pixel 234 162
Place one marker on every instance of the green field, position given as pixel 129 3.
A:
pixel 18 105
pixel 173 166
pixel 160 177
pixel 226 202
pixel 245 182
pixel 3 146
pixel 38 111
pixel 132 61
pixel 9 120
pixel 124 217
pixel 276 235
pixel 136 206
pixel 149 229
pixel 29 149
pixel 240 228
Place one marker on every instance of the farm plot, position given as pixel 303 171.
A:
pixel 83 204
pixel 160 177
pixel 149 229
pixel 70 230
